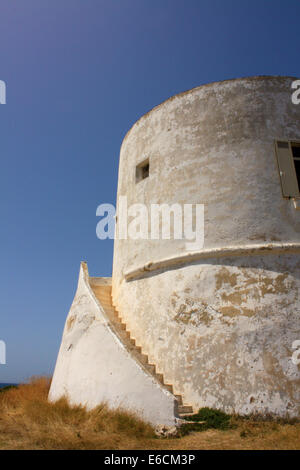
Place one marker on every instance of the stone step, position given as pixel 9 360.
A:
pixel 185 409
pixel 169 387
pixel 160 378
pixel 106 305
pixel 101 291
pixel 151 368
pixel 144 358
pixel 109 311
pixel 104 299
pixel 103 294
pixel 125 333
pixel 179 399
pixel 105 302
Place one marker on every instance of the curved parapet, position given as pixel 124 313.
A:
pixel 93 365
pixel 188 258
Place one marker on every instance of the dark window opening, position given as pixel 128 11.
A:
pixel 142 171
pixel 296 150
pixel 145 171
pixel 296 157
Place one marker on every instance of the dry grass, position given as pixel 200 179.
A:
pixel 29 421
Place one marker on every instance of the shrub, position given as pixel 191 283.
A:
pixel 207 418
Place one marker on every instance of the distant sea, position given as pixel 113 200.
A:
pixel 5 385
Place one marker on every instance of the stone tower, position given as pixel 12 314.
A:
pixel 218 323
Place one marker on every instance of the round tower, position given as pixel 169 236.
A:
pixel 221 322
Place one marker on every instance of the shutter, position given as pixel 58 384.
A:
pixel 287 172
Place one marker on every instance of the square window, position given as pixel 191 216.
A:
pixel 288 159
pixel 142 170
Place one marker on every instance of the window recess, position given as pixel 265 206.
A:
pixel 142 170
pixel 288 159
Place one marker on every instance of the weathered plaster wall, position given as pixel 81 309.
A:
pixel 93 366
pixel 220 329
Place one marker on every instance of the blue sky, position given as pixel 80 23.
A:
pixel 79 73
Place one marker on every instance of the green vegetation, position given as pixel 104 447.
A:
pixel 207 418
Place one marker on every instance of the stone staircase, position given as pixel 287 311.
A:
pixel 103 294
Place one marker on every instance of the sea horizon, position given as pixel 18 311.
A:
pixel 3 384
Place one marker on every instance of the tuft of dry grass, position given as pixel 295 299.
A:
pixel 29 421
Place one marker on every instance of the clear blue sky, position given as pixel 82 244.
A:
pixel 79 73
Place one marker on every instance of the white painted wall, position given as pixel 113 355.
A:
pixel 94 367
